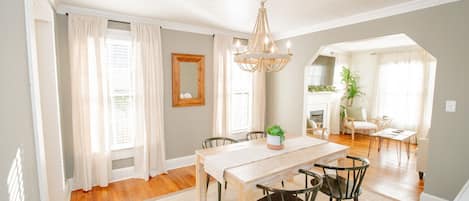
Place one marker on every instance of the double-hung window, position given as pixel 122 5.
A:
pixel 241 100
pixel 121 89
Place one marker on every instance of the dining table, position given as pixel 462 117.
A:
pixel 244 165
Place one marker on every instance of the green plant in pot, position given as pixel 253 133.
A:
pixel 275 137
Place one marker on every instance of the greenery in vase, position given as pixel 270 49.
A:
pixel 276 130
pixel 321 88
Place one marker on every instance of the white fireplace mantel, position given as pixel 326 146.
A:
pixel 330 103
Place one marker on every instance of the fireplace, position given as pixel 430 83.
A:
pixel 317 116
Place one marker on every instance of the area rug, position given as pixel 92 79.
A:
pixel 231 194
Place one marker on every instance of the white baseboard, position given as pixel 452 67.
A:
pixel 428 197
pixel 180 162
pixel 128 172
pixel 117 175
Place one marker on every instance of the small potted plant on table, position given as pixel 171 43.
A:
pixel 275 137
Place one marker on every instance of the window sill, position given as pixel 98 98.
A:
pixel 122 154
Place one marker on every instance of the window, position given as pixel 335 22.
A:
pixel 401 88
pixel 241 99
pixel 122 89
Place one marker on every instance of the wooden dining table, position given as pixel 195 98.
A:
pixel 269 170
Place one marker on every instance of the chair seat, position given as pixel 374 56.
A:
pixel 278 197
pixel 335 188
pixel 362 125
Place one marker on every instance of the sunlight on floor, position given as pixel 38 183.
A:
pixel 15 178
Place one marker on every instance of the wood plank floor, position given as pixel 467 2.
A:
pixel 385 176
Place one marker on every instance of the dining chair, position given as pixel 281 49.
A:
pixel 254 135
pixel 216 142
pixel 344 182
pixel 306 194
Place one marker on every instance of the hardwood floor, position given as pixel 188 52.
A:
pixel 384 176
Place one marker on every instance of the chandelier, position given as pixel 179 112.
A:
pixel 262 54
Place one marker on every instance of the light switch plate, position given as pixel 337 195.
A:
pixel 450 106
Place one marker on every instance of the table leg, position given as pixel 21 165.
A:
pixel 245 193
pixel 369 145
pixel 200 180
pixel 408 149
pixel 399 151
pixel 379 143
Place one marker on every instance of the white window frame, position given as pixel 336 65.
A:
pixel 123 151
pixel 239 133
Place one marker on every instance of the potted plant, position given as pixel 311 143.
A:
pixel 352 89
pixel 275 137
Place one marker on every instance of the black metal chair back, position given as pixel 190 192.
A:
pixel 254 135
pixel 307 194
pixel 217 141
pixel 344 182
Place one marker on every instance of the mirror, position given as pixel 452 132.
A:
pixel 321 72
pixel 188 80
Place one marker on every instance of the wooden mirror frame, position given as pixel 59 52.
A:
pixel 200 60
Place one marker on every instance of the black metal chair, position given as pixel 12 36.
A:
pixel 345 182
pixel 216 142
pixel 254 135
pixel 306 194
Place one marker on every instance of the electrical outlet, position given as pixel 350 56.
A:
pixel 450 106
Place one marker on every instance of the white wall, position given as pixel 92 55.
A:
pixel 17 146
pixel 365 64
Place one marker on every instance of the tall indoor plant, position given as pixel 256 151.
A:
pixel 352 89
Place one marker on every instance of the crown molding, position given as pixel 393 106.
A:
pixel 365 16
pixel 64 9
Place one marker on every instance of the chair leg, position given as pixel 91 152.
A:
pixel 355 198
pixel 330 199
pixel 283 184
pixel 208 180
pixel 219 191
pixel 353 134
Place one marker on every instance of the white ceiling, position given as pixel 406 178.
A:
pixel 372 44
pixel 240 15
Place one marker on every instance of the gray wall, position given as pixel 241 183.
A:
pixel 443 31
pixel 65 96
pixel 186 127
pixel 16 118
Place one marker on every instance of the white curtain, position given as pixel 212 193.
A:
pixel 405 89
pixel 222 64
pixel 89 89
pixel 149 139
pixel 258 101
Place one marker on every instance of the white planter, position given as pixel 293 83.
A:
pixel 274 142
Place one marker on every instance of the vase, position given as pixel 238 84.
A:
pixel 274 142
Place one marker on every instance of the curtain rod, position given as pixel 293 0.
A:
pixel 117 21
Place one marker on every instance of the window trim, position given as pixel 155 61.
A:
pixel 126 150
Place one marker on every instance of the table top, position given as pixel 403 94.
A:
pixel 272 166
pixel 390 134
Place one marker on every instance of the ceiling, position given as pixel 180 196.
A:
pixel 240 15
pixel 385 42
